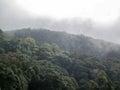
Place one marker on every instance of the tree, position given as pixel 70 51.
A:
pixel 103 81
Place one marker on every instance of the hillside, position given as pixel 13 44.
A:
pixel 26 65
pixel 77 43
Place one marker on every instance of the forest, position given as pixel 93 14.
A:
pixel 44 60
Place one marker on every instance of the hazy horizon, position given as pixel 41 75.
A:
pixel 96 18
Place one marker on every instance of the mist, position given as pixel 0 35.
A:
pixel 13 17
pixel 59 45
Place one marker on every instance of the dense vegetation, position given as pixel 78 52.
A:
pixel 74 43
pixel 27 65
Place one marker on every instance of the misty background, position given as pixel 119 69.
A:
pixel 12 17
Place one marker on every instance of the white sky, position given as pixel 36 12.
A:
pixel 95 18
pixel 100 11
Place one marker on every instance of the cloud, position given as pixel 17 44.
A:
pixel 12 17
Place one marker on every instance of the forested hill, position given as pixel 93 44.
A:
pixel 26 65
pixel 76 43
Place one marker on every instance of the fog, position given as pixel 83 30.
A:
pixel 13 17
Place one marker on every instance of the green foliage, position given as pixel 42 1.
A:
pixel 11 78
pixel 78 43
pixel 93 85
pixel 25 65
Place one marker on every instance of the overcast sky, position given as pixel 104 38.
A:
pixel 95 18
